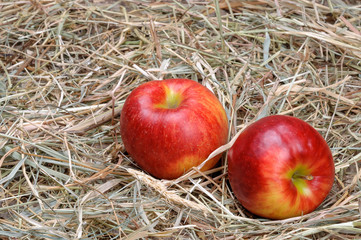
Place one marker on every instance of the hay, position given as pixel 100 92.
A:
pixel 67 67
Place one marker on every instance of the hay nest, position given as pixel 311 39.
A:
pixel 67 67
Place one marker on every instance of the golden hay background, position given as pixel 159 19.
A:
pixel 66 68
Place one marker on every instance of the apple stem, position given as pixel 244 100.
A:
pixel 306 177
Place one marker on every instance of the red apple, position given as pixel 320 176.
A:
pixel 170 126
pixel 280 167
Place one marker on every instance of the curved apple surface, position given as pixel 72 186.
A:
pixel 169 126
pixel 280 167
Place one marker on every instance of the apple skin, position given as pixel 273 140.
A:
pixel 169 126
pixel 280 167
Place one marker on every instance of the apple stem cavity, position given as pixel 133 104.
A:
pixel 302 176
pixel 172 99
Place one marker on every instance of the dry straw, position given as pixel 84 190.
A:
pixel 66 68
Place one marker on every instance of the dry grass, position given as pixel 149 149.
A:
pixel 66 68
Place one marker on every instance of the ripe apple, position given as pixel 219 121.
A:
pixel 280 167
pixel 169 126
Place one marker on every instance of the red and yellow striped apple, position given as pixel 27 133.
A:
pixel 280 167
pixel 169 126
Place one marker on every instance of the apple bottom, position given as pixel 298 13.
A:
pixel 177 167
pixel 289 192
pixel 285 202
